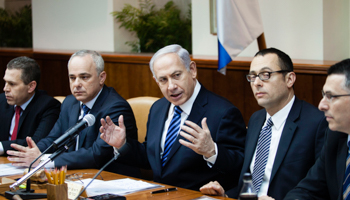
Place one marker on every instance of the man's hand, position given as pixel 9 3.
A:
pixel 112 134
pixel 266 198
pixel 24 155
pixel 200 139
pixel 213 188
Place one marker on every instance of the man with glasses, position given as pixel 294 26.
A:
pixel 285 138
pixel 329 177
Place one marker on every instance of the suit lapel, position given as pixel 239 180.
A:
pixel 196 115
pixel 94 110
pixel 7 118
pixel 341 160
pixel 158 132
pixel 253 134
pixel 287 136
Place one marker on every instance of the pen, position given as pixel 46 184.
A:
pixel 164 190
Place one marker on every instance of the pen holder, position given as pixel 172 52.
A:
pixel 57 192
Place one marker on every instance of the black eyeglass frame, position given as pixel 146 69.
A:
pixel 329 96
pixel 249 78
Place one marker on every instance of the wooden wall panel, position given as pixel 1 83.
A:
pixel 130 75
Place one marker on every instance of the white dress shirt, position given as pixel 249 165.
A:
pixel 279 120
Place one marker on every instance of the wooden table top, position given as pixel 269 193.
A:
pixel 181 193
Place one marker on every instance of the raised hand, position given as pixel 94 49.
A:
pixel 112 134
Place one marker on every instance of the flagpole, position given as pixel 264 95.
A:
pixel 261 41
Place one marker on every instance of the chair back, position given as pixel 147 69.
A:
pixel 59 98
pixel 141 106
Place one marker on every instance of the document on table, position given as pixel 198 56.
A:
pixel 8 170
pixel 119 186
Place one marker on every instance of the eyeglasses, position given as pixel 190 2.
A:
pixel 263 75
pixel 330 97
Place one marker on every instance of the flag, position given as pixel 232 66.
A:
pixel 238 24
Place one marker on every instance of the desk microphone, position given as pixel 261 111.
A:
pixel 88 120
pixel 122 151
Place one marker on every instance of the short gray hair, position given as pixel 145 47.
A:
pixel 96 57
pixel 174 48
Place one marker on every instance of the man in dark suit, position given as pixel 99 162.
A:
pixel 211 149
pixel 89 95
pixel 297 133
pixel 329 177
pixel 25 110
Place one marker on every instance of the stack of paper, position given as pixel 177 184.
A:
pixel 8 170
pixel 119 186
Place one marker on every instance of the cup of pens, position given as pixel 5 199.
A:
pixel 56 187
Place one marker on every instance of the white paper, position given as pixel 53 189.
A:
pixel 118 186
pixel 8 170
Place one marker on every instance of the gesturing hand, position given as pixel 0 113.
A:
pixel 112 134
pixel 200 138
pixel 24 155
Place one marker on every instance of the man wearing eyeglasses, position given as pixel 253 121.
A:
pixel 285 138
pixel 329 178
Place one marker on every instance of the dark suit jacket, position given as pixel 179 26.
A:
pixel 325 178
pixel 36 120
pixel 93 152
pixel 184 167
pixel 300 145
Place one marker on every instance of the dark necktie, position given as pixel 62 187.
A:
pixel 346 183
pixel 262 153
pixel 18 111
pixel 86 110
pixel 173 130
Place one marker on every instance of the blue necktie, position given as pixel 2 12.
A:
pixel 262 153
pixel 85 109
pixel 173 130
pixel 346 183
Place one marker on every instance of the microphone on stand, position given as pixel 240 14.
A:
pixel 122 151
pixel 61 144
pixel 88 120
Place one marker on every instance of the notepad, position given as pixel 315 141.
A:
pixel 8 170
pixel 119 186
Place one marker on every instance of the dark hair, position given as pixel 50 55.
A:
pixel 342 67
pixel 30 69
pixel 285 62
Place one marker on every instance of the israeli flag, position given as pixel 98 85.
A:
pixel 238 24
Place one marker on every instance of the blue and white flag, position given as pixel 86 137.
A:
pixel 238 24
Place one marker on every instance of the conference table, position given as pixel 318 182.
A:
pixel 181 193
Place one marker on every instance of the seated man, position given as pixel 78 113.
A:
pixel 211 149
pixel 297 130
pixel 25 110
pixel 329 178
pixel 89 95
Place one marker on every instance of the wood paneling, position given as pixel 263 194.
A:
pixel 130 75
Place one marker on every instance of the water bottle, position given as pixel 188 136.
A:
pixel 248 191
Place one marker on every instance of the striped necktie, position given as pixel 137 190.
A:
pixel 346 183
pixel 262 153
pixel 173 130
pixel 85 109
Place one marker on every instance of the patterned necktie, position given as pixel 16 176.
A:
pixel 262 153
pixel 346 183
pixel 173 130
pixel 85 109
pixel 18 111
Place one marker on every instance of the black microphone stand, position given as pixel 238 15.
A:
pixel 29 193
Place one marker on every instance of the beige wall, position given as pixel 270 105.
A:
pixel 313 29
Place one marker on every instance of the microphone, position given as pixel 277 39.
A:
pixel 121 152
pixel 88 120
